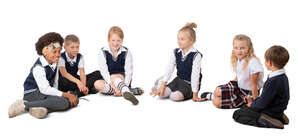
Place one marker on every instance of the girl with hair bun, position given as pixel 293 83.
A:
pixel 187 60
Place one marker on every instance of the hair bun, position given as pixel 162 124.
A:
pixel 191 25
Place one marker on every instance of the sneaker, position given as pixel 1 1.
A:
pixel 270 122
pixel 137 91
pixel 16 108
pixel 285 119
pixel 206 95
pixel 157 83
pixel 129 96
pixel 38 112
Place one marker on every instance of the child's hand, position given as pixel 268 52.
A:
pixel 196 98
pixel 80 86
pixel 117 92
pixel 154 93
pixel 161 90
pixel 72 98
pixel 248 100
pixel 85 90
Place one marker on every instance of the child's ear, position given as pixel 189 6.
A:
pixel 271 63
pixel 45 51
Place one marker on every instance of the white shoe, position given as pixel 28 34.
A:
pixel 157 83
pixel 16 108
pixel 38 112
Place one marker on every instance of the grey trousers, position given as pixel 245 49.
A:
pixel 52 103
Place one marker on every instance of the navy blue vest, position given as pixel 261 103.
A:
pixel 115 65
pixel 30 83
pixel 71 68
pixel 184 65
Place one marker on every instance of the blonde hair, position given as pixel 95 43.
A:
pixel 250 54
pixel 189 28
pixel 115 30
pixel 71 39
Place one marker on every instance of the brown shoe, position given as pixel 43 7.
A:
pixel 285 119
pixel 270 122
pixel 129 96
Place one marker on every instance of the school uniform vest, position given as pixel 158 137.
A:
pixel 30 83
pixel 71 68
pixel 115 65
pixel 185 65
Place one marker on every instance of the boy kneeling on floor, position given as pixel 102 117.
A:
pixel 268 109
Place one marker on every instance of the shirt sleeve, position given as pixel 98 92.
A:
pixel 255 66
pixel 128 68
pixel 103 67
pixel 266 96
pixel 195 75
pixel 81 62
pixel 170 68
pixel 39 75
pixel 61 62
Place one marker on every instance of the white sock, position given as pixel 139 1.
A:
pixel 107 89
pixel 121 85
pixel 210 96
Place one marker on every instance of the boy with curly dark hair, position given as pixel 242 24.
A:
pixel 40 93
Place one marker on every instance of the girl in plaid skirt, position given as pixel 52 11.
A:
pixel 248 80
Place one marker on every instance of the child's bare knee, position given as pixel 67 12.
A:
pixel 216 102
pixel 176 97
pixel 217 92
pixel 99 84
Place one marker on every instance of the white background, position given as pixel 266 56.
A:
pixel 150 29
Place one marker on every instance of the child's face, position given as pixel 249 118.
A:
pixel 240 49
pixel 115 42
pixel 72 49
pixel 183 40
pixel 51 54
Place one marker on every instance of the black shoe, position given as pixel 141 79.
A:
pixel 77 93
pixel 128 96
pixel 204 95
pixel 93 90
pixel 270 122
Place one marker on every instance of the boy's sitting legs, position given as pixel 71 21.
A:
pixel 91 78
pixel 247 116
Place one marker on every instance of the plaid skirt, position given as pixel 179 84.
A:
pixel 232 96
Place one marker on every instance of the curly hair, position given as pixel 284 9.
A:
pixel 47 39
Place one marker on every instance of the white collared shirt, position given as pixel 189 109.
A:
pixel 39 75
pixel 128 65
pixel 62 62
pixel 276 73
pixel 243 76
pixel 196 69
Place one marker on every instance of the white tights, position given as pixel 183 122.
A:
pixel 175 96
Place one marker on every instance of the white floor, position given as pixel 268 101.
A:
pixel 150 29
pixel 106 117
